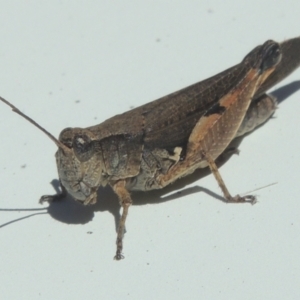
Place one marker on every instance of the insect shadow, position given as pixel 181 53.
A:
pixel 70 212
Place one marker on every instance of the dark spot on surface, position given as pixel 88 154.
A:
pixel 23 166
pixel 215 109
pixel 77 101
pixel 89 232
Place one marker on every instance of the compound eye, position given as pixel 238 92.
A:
pixel 83 147
pixel 66 137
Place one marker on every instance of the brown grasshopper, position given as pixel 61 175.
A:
pixel 153 145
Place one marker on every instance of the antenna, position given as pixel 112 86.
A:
pixel 56 141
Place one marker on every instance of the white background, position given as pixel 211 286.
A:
pixel 77 63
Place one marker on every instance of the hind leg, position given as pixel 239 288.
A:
pixel 260 111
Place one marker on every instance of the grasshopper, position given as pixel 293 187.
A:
pixel 153 145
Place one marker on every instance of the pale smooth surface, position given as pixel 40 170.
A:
pixel 77 63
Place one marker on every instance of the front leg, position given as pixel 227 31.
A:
pixel 56 197
pixel 125 202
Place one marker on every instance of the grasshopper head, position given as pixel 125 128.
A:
pixel 80 166
pixel 79 160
